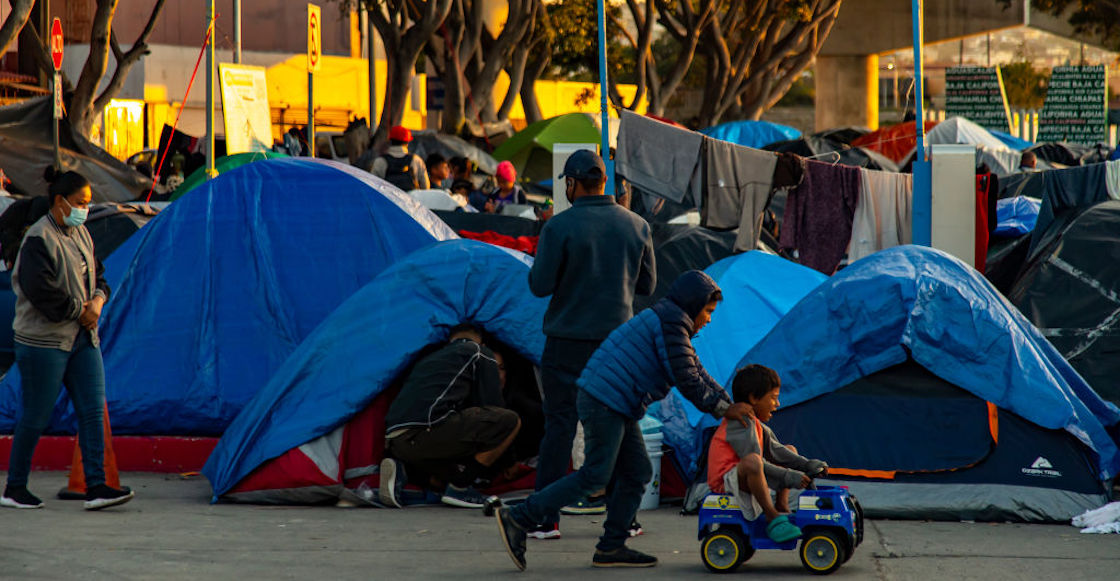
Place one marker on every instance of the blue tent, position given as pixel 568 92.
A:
pixel 371 338
pixel 917 306
pixel 758 290
pixel 756 134
pixel 1011 141
pixel 214 294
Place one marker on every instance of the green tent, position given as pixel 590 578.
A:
pixel 530 150
pixel 222 165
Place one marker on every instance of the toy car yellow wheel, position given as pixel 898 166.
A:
pixel 822 552
pixel 724 550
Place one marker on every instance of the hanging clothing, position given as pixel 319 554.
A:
pixel 659 158
pixel 1112 179
pixel 883 213
pixel 1066 189
pixel 819 214
pixel 737 184
pixel 987 215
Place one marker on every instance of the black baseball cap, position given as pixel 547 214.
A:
pixel 584 164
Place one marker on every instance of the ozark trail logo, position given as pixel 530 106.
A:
pixel 1041 467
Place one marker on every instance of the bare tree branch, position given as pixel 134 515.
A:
pixel 14 23
pixel 125 60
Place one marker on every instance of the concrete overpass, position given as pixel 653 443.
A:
pixel 847 67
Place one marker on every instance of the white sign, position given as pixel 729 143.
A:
pixel 314 38
pixel 57 86
pixel 245 108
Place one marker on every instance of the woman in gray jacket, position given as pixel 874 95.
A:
pixel 60 290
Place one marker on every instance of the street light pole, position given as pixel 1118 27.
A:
pixel 237 32
pixel 922 225
pixel 210 171
pixel 604 117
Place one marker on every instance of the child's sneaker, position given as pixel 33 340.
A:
pixel 545 532
pixel 20 497
pixel 623 557
pixel 781 530
pixel 104 496
pixel 463 497
pixel 589 505
pixel 635 529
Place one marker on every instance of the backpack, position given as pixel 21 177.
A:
pixel 398 172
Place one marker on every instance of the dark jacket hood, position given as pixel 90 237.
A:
pixel 692 291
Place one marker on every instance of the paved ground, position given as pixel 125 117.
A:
pixel 170 532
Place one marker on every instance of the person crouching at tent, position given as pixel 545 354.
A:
pixel 449 422
pixel 748 461
pixel 60 289
pixel 636 365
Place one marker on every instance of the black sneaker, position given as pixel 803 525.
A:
pixel 392 484
pixel 463 497
pixel 635 529
pixel 545 532
pixel 623 557
pixel 104 496
pixel 19 497
pixel 513 536
pixel 589 505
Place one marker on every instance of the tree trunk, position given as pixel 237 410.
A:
pixel 17 18
pixel 81 112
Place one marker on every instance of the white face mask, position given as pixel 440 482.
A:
pixel 76 217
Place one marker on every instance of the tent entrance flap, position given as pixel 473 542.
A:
pixel 901 420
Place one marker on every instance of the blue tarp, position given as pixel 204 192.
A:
pixel 1016 216
pixel 1011 141
pixel 371 338
pixel 920 302
pixel 756 134
pixel 213 295
pixel 758 290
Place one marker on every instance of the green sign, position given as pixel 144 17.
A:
pixel 977 94
pixel 1076 107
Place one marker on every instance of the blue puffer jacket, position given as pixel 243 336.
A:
pixel 643 358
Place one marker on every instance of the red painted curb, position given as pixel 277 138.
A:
pixel 134 453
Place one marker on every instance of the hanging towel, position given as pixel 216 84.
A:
pixel 737 182
pixel 883 213
pixel 819 214
pixel 659 158
pixel 1066 189
pixel 1112 179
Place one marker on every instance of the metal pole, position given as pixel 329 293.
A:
pixel 56 81
pixel 311 113
pixel 210 171
pixel 923 193
pixel 605 118
pixel 371 40
pixel 237 31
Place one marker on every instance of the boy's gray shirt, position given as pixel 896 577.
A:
pixel 783 467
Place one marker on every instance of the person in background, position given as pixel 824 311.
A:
pixel 60 289
pixel 508 192
pixel 1029 162
pixel 439 171
pixel 399 167
pixel 591 260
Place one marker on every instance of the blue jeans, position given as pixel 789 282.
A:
pixel 616 459
pixel 43 371
pixel 561 363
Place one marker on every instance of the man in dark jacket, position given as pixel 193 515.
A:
pixel 592 259
pixel 449 421
pixel 636 365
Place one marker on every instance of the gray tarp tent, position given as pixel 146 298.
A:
pixel 26 150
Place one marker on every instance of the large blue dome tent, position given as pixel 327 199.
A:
pixel 218 289
pixel 931 396
pixel 291 439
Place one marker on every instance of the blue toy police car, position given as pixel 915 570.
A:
pixel 831 521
